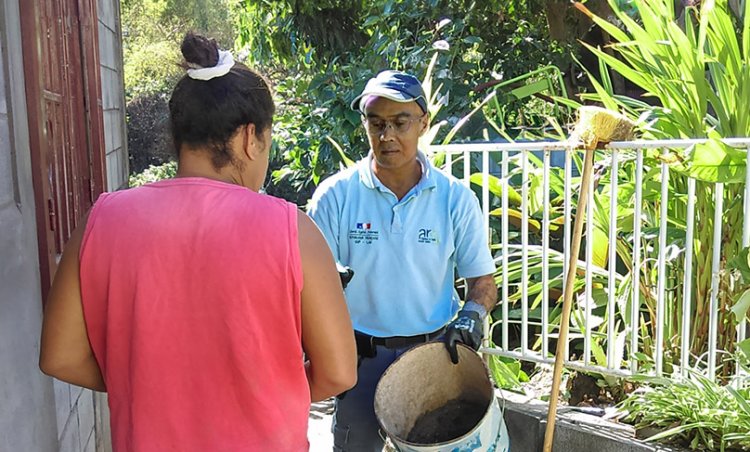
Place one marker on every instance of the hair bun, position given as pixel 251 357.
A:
pixel 199 50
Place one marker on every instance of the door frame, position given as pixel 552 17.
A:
pixel 90 146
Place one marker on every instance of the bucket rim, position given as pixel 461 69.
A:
pixel 492 400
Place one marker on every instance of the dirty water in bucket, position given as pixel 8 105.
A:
pixel 450 421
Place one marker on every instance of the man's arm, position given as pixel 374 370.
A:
pixel 482 290
pixel 324 212
pixel 468 327
pixel 473 255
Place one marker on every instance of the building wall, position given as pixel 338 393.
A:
pixel 113 94
pixel 38 413
pixel 27 415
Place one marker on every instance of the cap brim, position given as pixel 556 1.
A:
pixel 391 94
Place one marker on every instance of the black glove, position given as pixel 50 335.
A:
pixel 345 273
pixel 365 347
pixel 468 329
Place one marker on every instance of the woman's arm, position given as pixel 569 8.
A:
pixel 327 335
pixel 65 352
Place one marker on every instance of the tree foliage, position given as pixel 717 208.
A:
pixel 152 32
pixel 321 53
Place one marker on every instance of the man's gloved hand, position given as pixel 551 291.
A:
pixel 467 328
pixel 345 273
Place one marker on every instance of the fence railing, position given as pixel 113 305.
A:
pixel 641 305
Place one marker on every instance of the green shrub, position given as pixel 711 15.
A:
pixel 318 68
pixel 698 411
pixel 153 174
pixel 151 67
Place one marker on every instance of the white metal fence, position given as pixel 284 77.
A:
pixel 631 332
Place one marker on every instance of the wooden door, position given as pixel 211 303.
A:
pixel 61 67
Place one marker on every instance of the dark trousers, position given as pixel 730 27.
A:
pixel 355 427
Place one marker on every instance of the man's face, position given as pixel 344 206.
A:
pixel 393 130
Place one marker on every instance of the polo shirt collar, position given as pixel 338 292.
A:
pixel 369 180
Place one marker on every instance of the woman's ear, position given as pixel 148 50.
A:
pixel 250 145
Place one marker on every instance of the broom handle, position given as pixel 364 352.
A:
pixel 575 246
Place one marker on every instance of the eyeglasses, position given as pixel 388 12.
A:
pixel 400 125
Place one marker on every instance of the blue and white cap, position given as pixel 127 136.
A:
pixel 394 85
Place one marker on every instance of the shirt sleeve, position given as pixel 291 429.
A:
pixel 473 257
pixel 323 209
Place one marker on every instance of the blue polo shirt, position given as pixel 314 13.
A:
pixel 405 254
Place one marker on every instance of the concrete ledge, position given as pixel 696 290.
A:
pixel 574 432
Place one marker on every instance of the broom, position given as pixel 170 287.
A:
pixel 595 127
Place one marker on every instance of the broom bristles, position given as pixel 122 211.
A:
pixel 598 125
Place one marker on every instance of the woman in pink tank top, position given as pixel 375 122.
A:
pixel 211 314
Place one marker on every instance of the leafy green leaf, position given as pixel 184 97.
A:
pixel 741 306
pixel 741 263
pixel 744 347
pixel 347 161
pixel 495 186
pixel 507 373
pixel 713 161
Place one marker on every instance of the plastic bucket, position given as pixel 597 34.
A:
pixel 424 402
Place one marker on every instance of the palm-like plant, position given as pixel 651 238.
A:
pixel 696 73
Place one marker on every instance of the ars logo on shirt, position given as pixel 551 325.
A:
pixel 427 236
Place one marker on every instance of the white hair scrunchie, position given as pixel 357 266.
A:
pixel 224 65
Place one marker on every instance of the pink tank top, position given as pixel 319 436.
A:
pixel 191 296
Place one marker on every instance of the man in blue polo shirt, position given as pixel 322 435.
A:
pixel 406 229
